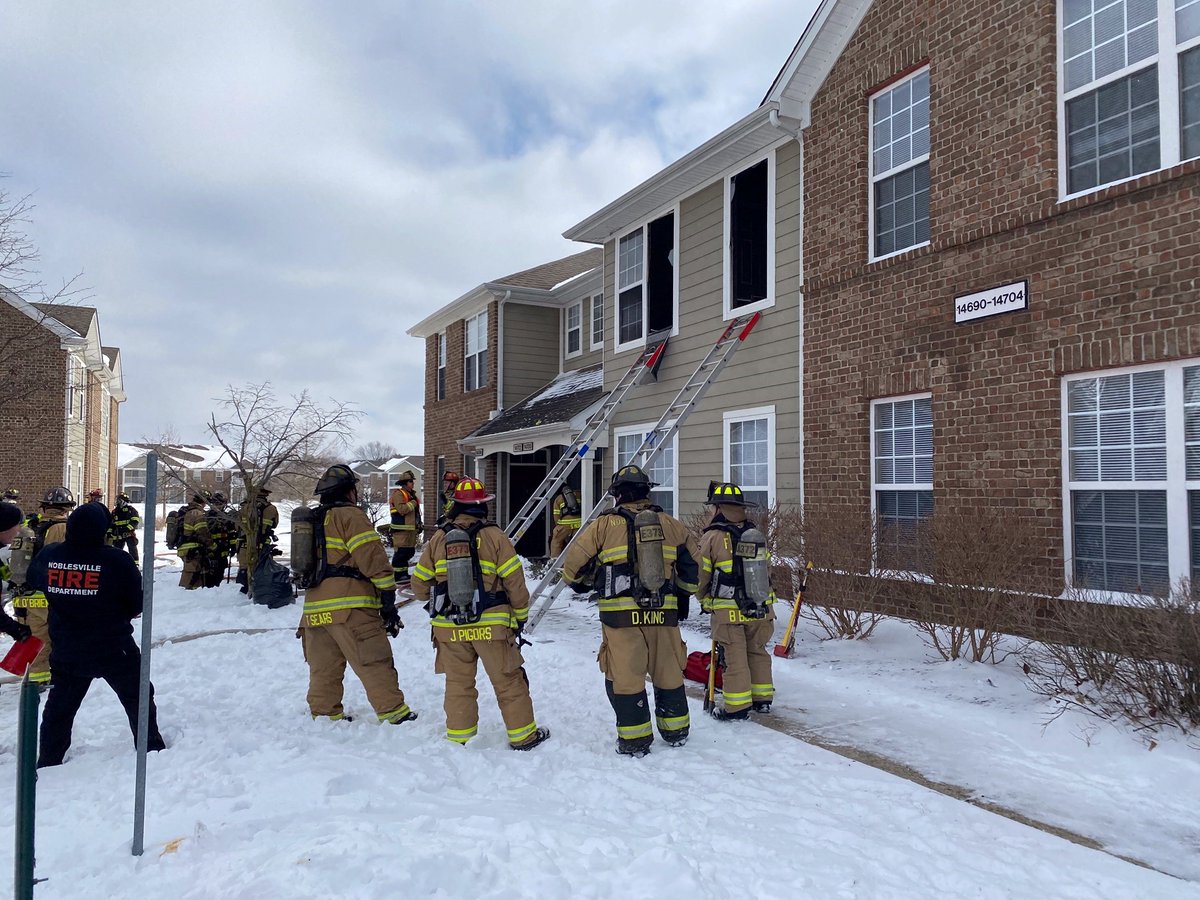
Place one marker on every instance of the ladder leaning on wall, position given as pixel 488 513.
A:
pixel 655 439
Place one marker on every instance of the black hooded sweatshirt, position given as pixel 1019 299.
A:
pixel 93 592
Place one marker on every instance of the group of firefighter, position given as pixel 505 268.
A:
pixel 209 531
pixel 642 564
pixel 35 531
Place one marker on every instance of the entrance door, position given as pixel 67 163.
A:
pixel 525 473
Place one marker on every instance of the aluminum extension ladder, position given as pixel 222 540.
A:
pixel 646 364
pixel 656 438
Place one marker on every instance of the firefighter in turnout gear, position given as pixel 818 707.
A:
pixel 642 563
pixel 13 496
pixel 735 587
pixel 223 534
pixel 479 605
pixel 406 525
pixel 194 543
pixel 568 517
pixel 268 521
pixel 449 483
pixel 126 521
pixel 29 605
pixel 11 520
pixel 351 608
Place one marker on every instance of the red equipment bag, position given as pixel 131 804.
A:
pixel 697 668
pixel 21 655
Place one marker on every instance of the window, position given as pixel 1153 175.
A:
pixel 902 479
pixel 220 475
pixel 441 475
pixel 662 470
pixel 598 319
pixel 76 388
pixel 105 404
pixel 574 329
pixel 1129 75
pixel 645 282
pixel 441 365
pixel 1133 504
pixel 470 467
pixel 475 364
pixel 750 239
pixel 900 166
pixel 750 452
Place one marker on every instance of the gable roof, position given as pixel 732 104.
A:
pixel 78 318
pixel 812 59
pixel 68 337
pixel 553 274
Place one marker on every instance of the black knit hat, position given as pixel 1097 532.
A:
pixel 10 515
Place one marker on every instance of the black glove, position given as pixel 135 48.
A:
pixel 18 631
pixel 685 605
pixel 389 613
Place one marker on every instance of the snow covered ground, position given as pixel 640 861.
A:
pixel 271 804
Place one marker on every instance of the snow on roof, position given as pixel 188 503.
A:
pixel 183 456
pixel 127 453
pixel 570 383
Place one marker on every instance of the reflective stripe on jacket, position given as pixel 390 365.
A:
pixel 351 540
pixel 560 516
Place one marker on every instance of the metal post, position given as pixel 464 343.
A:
pixel 143 729
pixel 26 789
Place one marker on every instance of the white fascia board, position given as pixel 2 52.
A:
pixel 678 180
pixel 469 304
pixel 67 338
pixel 819 48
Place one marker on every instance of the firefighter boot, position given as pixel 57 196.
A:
pixel 635 747
pixel 762 706
pixel 721 716
pixel 539 736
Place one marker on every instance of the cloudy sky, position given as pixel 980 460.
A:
pixel 276 190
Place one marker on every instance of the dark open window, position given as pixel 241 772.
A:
pixel 748 235
pixel 660 297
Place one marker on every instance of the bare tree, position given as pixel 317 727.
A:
pixel 376 452
pixel 22 335
pixel 268 438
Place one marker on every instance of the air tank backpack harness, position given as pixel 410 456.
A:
pixel 461 597
pixel 310 565
pixel 746 579
pixel 634 591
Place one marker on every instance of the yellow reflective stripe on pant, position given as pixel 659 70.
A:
pixel 762 691
pixel 622 604
pixel 395 715
pixel 737 698
pixel 673 723
pixel 520 735
pixel 39 677
pixel 492 617
pixel 633 732
pixel 461 735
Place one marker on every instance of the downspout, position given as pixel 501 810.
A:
pixel 798 136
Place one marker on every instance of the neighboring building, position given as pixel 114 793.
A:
pixel 392 468
pixel 62 389
pixel 182 469
pixel 491 349
pixel 1034 159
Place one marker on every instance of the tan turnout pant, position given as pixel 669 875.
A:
pixel 559 539
pixel 38 620
pixel 360 640
pixel 192 575
pixel 502 660
pixel 747 676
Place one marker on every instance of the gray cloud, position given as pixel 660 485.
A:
pixel 276 190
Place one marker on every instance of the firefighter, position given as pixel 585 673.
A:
pixel 11 518
pixel 479 606
pixel 126 521
pixel 29 605
pixel 735 588
pixel 94 592
pixel 13 496
pixel 223 533
pixel 351 609
pixel 643 564
pixel 449 483
pixel 406 525
pixel 195 543
pixel 268 521
pixel 96 496
pixel 567 518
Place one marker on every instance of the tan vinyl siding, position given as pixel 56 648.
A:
pixel 530 349
pixel 588 357
pixel 764 372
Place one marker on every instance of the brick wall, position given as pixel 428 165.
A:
pixel 460 413
pixel 1112 276
pixel 31 425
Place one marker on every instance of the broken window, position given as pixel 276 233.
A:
pixel 646 280
pixel 748 208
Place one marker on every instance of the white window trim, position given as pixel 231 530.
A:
pixel 875 486
pixel 616 304
pixel 641 431
pixel 1176 485
pixel 912 163
pixel 480 377
pixel 567 329
pixel 1170 146
pixel 746 415
pixel 727 312
pixel 592 342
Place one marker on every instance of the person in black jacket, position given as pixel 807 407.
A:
pixel 94 592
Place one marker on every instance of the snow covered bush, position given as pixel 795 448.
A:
pixel 1138 661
